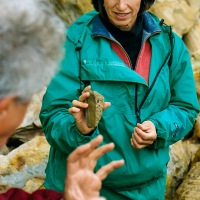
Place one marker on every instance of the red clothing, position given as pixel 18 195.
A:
pixel 144 59
pixel 42 194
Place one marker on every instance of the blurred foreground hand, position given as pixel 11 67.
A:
pixel 82 183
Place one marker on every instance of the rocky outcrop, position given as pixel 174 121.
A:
pixel 189 188
pixel 70 10
pixel 184 17
pixel 25 166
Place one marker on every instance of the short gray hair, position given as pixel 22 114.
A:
pixel 31 38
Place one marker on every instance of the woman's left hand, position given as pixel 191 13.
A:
pixel 144 134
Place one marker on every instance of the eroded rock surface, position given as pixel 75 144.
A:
pixel 95 107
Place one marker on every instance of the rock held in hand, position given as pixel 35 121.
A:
pixel 95 107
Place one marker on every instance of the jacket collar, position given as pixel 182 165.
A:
pixel 150 27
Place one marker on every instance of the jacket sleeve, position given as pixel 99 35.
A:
pixel 177 120
pixel 57 123
pixel 42 194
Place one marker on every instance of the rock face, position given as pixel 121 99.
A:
pixel 32 116
pixel 24 166
pixel 70 10
pixel 189 188
pixel 184 17
pixel 173 12
pixel 182 154
pixel 177 168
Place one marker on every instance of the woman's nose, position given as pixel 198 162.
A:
pixel 121 5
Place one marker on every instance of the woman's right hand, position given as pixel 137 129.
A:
pixel 78 111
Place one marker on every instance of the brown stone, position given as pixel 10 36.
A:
pixel 95 108
pixel 196 134
pixel 189 188
pixel 192 41
pixel 27 162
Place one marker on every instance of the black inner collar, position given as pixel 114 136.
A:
pixel 130 40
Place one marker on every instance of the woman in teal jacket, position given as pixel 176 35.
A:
pixel 143 69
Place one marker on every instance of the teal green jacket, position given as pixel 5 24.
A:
pixel 171 103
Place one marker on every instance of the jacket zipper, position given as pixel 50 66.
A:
pixel 138 108
pixel 120 46
pixel 143 46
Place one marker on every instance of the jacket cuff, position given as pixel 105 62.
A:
pixel 165 138
pixel 82 138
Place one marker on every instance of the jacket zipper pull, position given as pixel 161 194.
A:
pixel 138 116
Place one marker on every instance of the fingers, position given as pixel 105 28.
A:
pixel 84 150
pixel 73 110
pixel 142 136
pixel 137 145
pixel 86 89
pixel 146 126
pixel 106 105
pixel 142 127
pixel 84 96
pixel 141 139
pixel 77 104
pixel 97 153
pixel 105 170
pixel 96 141
pixel 80 103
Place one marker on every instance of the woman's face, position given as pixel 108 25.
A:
pixel 122 13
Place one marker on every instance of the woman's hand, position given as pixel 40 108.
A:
pixel 144 134
pixel 78 111
pixel 81 182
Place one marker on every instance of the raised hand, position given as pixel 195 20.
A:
pixel 81 182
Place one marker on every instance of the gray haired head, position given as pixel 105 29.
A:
pixel 31 38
